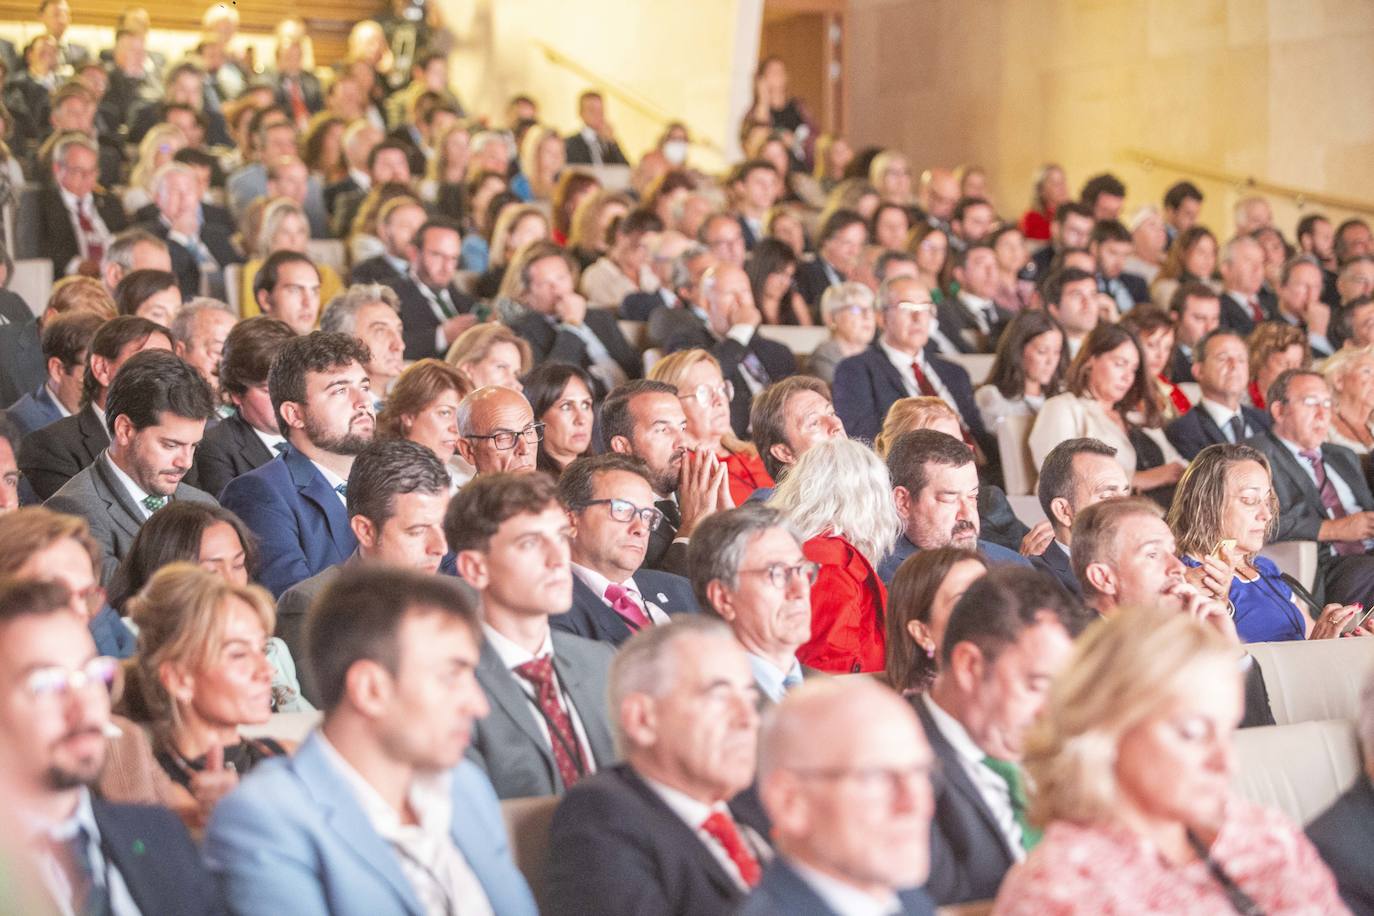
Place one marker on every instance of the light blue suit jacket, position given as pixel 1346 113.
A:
pixel 293 839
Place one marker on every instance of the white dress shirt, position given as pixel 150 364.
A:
pixel 902 362
pixel 136 493
pixel 770 679
pixel 54 875
pixel 694 813
pixel 271 440
pixel 332 479
pixel 984 311
pixel 598 584
pixel 991 788
pixel 1221 415
pixel 100 233
pixel 844 898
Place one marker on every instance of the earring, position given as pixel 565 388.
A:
pixel 930 652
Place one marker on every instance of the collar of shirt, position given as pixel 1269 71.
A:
pixel 1220 414
pixel 331 478
pixel 271 440
pixel 769 678
pixel 428 796
pixel 901 359
pixel 99 414
pixel 57 402
pixel 186 241
pixel 512 654
pixel 977 304
pixel 1185 350
pixel 70 201
pixel 597 582
pixel 400 265
pixel 843 897
pixel 592 137
pixel 1068 554
pixel 954 732
pixel 137 493
pixel 61 831
pixel 361 179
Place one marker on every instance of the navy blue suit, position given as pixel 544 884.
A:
pixel 592 618
pixel 867 383
pixel 156 858
pixel 995 554
pixel 1195 430
pixel 1056 562
pixel 782 892
pixel 34 410
pixel 300 522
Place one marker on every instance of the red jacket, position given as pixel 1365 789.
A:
pixel 848 608
pixel 747 474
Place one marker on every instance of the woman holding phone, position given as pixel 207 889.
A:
pixel 1223 511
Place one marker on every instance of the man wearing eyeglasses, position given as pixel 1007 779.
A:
pixel 77 221
pixel 851 814
pixel 498 431
pixel 612 508
pixel 89 855
pixel 898 366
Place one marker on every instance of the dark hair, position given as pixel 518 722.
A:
pixel 1308 224
pixel 1109 230
pixel 1179 192
pixel 1008 372
pixel 68 336
pixel 961 257
pixel 319 351
pixel 1192 289
pixel 1003 604
pixel 635 222
pixel 912 451
pixel 615 409
pixel 578 484
pixel 382 147
pixel 499 201
pixel 1146 319
pixel 1278 389
pixel 1071 208
pixel 966 204
pixel 488 501
pixel 769 256
pixel 138 285
pixel 1339 244
pixel 882 208
pixel 888 258
pixel 1200 349
pixel 114 335
pixel 155 382
pixel 358 616
pixel 434 224
pixel 199 158
pixel 838 221
pixel 1098 185
pixel 746 168
pixel 911 596
pixel 543 389
pixel 1104 339
pixel 1346 317
pixel 389 468
pixel 173 534
pixel 24 597
pixel 269 272
pixel 9 431
pixel 1056 474
pixel 768 416
pixel 248 352
pixel 1052 290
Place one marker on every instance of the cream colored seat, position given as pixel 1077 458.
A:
pixel 802 341
pixel 32 282
pixel 1297 558
pixel 1299 769
pixel 1018 468
pixel 284 726
pixel 1314 679
pixel 527 825
pixel 636 332
pixel 1027 509
pixel 977 365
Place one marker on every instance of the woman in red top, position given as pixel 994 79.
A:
pixel 1275 346
pixel 1156 333
pixel 1051 190
pixel 705 397
pixel 840 498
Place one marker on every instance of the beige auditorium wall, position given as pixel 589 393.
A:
pixel 689 60
pixel 1279 89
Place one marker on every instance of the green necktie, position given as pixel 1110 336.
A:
pixel 153 503
pixel 1010 773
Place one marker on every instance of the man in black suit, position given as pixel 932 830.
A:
pixel 1076 474
pixel 1299 303
pixel 595 143
pixel 1012 627
pixel 756 185
pixel 1070 296
pixel 434 311
pixel 128 75
pixel 1222 369
pixel 970 319
pixel 658 832
pixel 200 248
pixel 54 454
pixel 667 249
pixel 1343 832
pixel 897 366
pixel 358 140
pixel 249 437
pixel 1322 491
pixel 561 328
pixel 56 17
pixel 644 419
pixel 1072 227
pixel 839 244
pixel 74 109
pixel 184 85
pixel 397 223
pixel 970 222
pixel 387 162
pixel 76 220
pixel 1111 245
pixel 298 90
pixel 110 857
pixel 1196 310
pixel 66 340
pixel 1244 301
pixel 612 508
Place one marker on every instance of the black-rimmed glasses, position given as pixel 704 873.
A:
pixel 505 439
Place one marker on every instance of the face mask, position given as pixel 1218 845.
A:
pixel 675 151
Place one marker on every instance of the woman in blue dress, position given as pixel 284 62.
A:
pixel 1223 512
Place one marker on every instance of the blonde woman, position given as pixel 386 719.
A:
pixel 541 161
pixel 517 226
pixel 491 354
pixel 1132 766
pixel 890 173
pixel 284 227
pixel 155 150
pixel 839 496
pixel 1350 373
pixel 705 397
pixel 587 239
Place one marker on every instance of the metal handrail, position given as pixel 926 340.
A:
pixel 1302 197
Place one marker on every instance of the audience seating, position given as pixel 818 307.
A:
pixel 975 908
pixel 1013 445
pixel 330 252
pixel 527 823
pixel 1192 390
pixel 233 287
pixel 1300 769
pixel 1297 558
pixel 25 243
pixel 284 726
pixel 802 341
pixel 1316 679
pixel 32 281
pixel 977 365
pixel 1027 508
pixel 636 332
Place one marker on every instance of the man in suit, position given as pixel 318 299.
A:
pixel 830 849
pixel 1322 491
pixel 434 311
pixel 249 437
pixel 497 431
pixel 970 319
pixel 184 85
pixel 1222 368
pixel 371 312
pixel 595 143
pixel 289 177
pixel 787 418
pixel 548 726
pixel 56 18
pixel 561 328
pixel 200 248
pixel 93 856
pixel 155 412
pixel 748 569
pixel 755 184
pixel 54 454
pixel 612 507
pixel 66 341
pixel 897 366
pixel 840 242
pixel 664 831
pixel 1299 302
pixel 393 818
pixel 1072 228
pixel 76 221
pixel 1111 245
pixel 1244 301
pixel 359 138
pixel 1070 296
pixel 397 493
pixel 1076 474
pixel 1342 833
pixel 935 486
pixel 1012 627
pixel 133 249
pixel 274 138
pixel 287 287
pixel 199 330
pixel 666 249
pixel 397 223
pixel 296 504
pixel 1196 310
pixel 970 222
pixel 128 77
pixel 298 90
pixel 644 419
pixel 388 162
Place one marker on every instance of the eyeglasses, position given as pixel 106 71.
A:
pixel 505 439
pixel 779 573
pixel 855 310
pixel 1313 400
pixel 622 510
pixel 56 684
pixel 706 394
pixel 913 308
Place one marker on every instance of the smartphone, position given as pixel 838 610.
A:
pixel 1358 620
pixel 1224 546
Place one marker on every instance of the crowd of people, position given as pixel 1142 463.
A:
pixel 763 624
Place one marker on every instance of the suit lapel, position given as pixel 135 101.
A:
pixel 603 621
pixel 507 696
pixel 590 703
pixel 253 450
pixel 119 503
pixel 94 436
pixel 1295 473
pixel 123 852
pixel 1210 430
pixel 887 370
pixel 315 488
pixel 680 834
pixel 952 770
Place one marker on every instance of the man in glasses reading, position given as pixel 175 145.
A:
pixel 498 431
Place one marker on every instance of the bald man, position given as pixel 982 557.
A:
pixel 497 431
pixel 850 814
pixel 938 194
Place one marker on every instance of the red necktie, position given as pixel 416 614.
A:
pixel 567 750
pixel 94 249
pixel 927 390
pixel 299 111
pixel 1331 501
pixel 1255 311
pixel 722 830
pixel 626 607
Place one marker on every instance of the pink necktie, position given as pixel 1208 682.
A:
pixel 625 606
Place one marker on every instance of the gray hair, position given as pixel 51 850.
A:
pixel 167 171
pixel 70 139
pixel 847 294
pixel 183 325
pixel 718 544
pixel 1228 251
pixel 121 248
pixel 645 664
pixel 682 264
pixel 340 316
pixel 273 215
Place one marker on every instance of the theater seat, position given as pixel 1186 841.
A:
pixel 1027 509
pixel 26 243
pixel 1299 769
pixel 330 252
pixel 233 287
pixel 284 726
pixel 802 341
pixel 974 908
pixel 1018 468
pixel 527 824
pixel 1297 558
pixel 977 365
pixel 636 333
pixel 32 282
pixel 1314 679
pixel 1191 390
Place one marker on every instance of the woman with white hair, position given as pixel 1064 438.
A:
pixel 1132 765
pixel 839 496
pixel 1350 373
pixel 284 227
pixel 157 148
pixel 847 309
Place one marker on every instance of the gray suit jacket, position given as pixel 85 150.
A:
pixel 96 495
pixel 508 743
pixel 291 608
